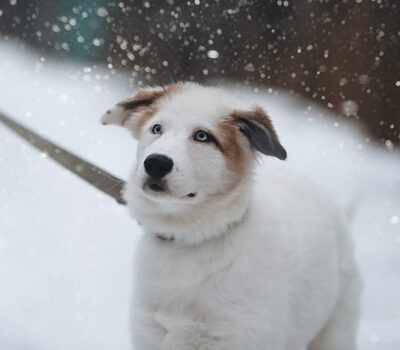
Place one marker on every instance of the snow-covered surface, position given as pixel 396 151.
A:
pixel 66 249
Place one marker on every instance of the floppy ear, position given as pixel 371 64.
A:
pixel 258 129
pixel 132 112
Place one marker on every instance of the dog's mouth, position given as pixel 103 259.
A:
pixel 159 187
pixel 156 186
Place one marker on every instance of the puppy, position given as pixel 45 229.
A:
pixel 222 266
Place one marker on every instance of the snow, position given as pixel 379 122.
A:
pixel 66 249
pixel 213 54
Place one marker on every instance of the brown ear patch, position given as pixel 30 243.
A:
pixel 144 104
pixel 260 132
pixel 232 147
pixel 134 112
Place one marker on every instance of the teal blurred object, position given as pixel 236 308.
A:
pixel 83 28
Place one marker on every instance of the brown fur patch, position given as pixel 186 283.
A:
pixel 146 115
pixel 232 146
pixel 232 142
pixel 144 104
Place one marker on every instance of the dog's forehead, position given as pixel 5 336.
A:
pixel 195 105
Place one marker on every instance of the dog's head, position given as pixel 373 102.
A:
pixel 195 142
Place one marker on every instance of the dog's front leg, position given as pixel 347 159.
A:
pixel 192 335
pixel 147 333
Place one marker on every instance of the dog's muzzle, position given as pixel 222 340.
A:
pixel 157 166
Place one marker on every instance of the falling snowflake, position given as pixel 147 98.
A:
pixel 249 67
pixel 394 220
pixel 102 12
pixel 213 54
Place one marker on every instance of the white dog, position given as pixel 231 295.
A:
pixel 222 266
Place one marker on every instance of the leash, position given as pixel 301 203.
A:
pixel 92 174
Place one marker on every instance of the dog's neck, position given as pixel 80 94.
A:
pixel 210 219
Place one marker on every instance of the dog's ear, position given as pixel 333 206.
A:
pixel 258 129
pixel 132 112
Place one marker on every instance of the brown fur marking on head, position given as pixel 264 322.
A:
pixel 144 104
pixel 232 147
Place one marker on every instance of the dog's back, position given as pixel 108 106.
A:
pixel 310 237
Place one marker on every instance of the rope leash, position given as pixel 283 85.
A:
pixel 92 174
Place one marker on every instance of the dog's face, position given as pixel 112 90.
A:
pixel 194 142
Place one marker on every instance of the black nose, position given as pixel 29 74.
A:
pixel 157 165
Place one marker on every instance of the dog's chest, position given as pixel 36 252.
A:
pixel 179 277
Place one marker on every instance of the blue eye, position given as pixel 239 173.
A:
pixel 156 129
pixel 201 136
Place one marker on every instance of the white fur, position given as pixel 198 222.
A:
pixel 250 269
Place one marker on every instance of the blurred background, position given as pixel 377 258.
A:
pixel 326 71
pixel 343 54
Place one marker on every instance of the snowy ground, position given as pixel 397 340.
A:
pixel 66 250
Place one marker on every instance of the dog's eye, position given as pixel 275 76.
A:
pixel 156 129
pixel 201 136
